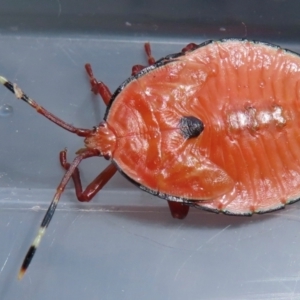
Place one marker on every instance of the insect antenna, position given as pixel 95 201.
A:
pixel 86 153
pixel 21 95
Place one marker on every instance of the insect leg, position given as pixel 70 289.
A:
pixel 98 87
pixel 178 209
pixel 93 188
pixel 41 110
pixel 150 58
pixel 137 68
pixel 50 212
pixel 189 47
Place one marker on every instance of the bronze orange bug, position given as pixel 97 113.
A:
pixel 214 126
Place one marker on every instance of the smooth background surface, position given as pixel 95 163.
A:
pixel 124 244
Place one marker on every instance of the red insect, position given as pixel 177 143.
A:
pixel 214 126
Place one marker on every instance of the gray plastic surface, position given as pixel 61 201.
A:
pixel 124 244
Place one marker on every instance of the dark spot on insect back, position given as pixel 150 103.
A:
pixel 190 127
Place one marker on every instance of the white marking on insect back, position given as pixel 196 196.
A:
pixel 243 119
pixel 277 115
pixel 252 118
pixel 238 120
pixel 264 117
